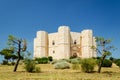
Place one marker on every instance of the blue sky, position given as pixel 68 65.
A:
pixel 23 18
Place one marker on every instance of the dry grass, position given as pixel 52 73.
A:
pixel 48 73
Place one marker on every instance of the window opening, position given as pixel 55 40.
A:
pixel 75 42
pixel 53 51
pixel 53 43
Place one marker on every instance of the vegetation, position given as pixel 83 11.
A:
pixel 9 56
pixel 76 66
pixel 74 56
pixel 103 48
pixel 111 59
pixel 50 58
pixel 107 63
pixel 18 46
pixel 117 62
pixel 30 66
pixel 43 60
pixel 49 73
pixel 62 65
pixel 88 65
pixel 75 60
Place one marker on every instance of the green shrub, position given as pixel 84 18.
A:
pixel 37 69
pixel 62 65
pixel 5 62
pixel 111 58
pixel 29 65
pixel 12 63
pixel 75 60
pixel 117 62
pixel 54 61
pixel 87 65
pixel 72 57
pixel 43 60
pixel 75 63
pixel 75 66
pixel 107 63
pixel 98 58
pixel 50 58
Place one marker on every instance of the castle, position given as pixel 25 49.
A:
pixel 64 43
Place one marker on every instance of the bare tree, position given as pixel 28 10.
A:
pixel 19 46
pixel 103 48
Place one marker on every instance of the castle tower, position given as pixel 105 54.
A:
pixel 87 42
pixel 41 44
pixel 64 42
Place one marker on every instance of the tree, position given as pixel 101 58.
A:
pixel 7 53
pixel 19 46
pixel 103 48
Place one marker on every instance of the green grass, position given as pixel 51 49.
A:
pixel 49 73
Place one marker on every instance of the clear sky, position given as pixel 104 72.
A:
pixel 23 18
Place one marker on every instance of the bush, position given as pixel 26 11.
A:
pixel 43 60
pixel 37 69
pixel 54 61
pixel 12 63
pixel 117 62
pixel 87 65
pixel 62 65
pixel 50 58
pixel 29 65
pixel 75 61
pixel 75 66
pixel 111 58
pixel 107 63
pixel 5 62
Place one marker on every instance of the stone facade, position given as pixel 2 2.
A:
pixel 64 44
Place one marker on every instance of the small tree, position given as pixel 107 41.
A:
pixel 8 54
pixel 103 49
pixel 19 46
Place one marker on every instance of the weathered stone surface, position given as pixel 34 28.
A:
pixel 64 44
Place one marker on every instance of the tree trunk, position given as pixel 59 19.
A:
pixel 19 57
pixel 100 64
pixel 16 65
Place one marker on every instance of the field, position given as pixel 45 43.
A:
pixel 49 73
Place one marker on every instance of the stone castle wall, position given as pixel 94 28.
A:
pixel 64 44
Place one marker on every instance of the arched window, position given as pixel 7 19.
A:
pixel 74 55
